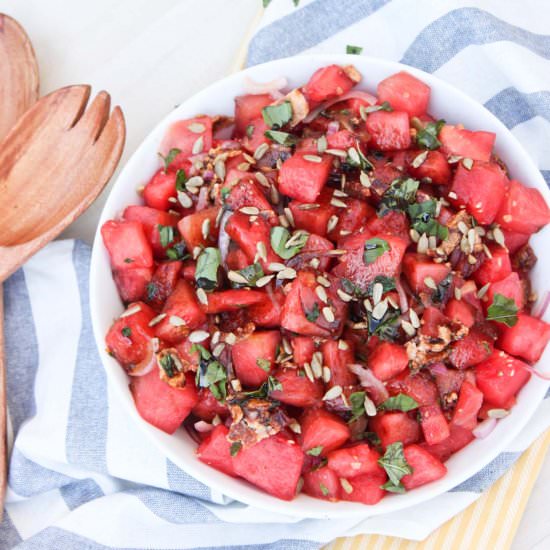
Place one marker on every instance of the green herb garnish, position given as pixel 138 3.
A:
pixel 400 194
pixel 426 137
pixel 400 402
pixel 396 466
pixel 181 179
pixel 176 252
pixel 236 446
pixel 374 248
pixel 127 332
pixel 264 364
pixel 276 116
pixel 315 451
pixel 279 236
pixel 503 310
pixel 384 106
pixel 282 138
pixel 249 130
pixel 168 365
pixel 206 273
pixel 169 158
pixel 354 50
pixel 388 283
pixel 423 219
pixel 357 401
pixel 166 233
pixel 313 314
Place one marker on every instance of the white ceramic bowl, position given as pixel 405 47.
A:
pixel 446 102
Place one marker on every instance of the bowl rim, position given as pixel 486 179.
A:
pixel 302 507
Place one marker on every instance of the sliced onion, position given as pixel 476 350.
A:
pixel 202 201
pixel 403 302
pixel 272 87
pixel 332 127
pixel 224 132
pixel 353 94
pixel 540 310
pixel 203 427
pixel 438 368
pixel 369 381
pixel 537 373
pixel 147 365
pixel 223 238
pixel 485 428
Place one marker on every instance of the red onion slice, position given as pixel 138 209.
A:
pixel 537 373
pixel 223 238
pixel 272 87
pixel 403 302
pixel 353 94
pixel 540 310
pixel 203 427
pixel 485 428
pixel 332 127
pixel 147 365
pixel 370 382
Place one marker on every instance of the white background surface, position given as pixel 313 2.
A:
pixel 151 55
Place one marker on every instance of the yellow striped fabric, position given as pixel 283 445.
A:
pixel 490 522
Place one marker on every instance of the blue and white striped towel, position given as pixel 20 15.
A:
pixel 81 476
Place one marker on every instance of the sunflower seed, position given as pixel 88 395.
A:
pixel 430 283
pixel 322 293
pixel 339 193
pixel 198 336
pixel 314 263
pixel 462 227
pixel 458 293
pixel 196 127
pixel 202 297
pixel 488 253
pixel 309 206
pixel 262 180
pixel 237 277
pixel 295 427
pixel 344 296
pixel 130 311
pixel 274 195
pixel 173 200
pixel 216 337
pixel 328 314
pixel 337 153
pixel 377 291
pixel 249 210
pixel 432 242
pixel 483 290
pixel 184 199
pixel 248 158
pixel 419 159
pixel 262 281
pixel 196 252
pixel 284 221
pixel 262 251
pixel 497 413
pixel 219 169
pixel 286 273
pixel 322 280
pixel 367 305
pixel 275 266
pixel 346 485
pixel 198 146
pixel 408 328
pixel 176 321
pixel 354 156
pixel 380 309
pixel 236 384
pixel 289 216
pixel 333 393
pixel 338 203
pixel 332 223
pixel 230 338
pixel 498 235
pixel 472 259
pixel 326 375
pixel 156 320
pixel 260 151
pixel 322 144
pixel 364 180
pixel 423 244
pixel 205 228
pixel 243 166
pixel 415 235
pixel 317 369
pixel 452 195
pixel 309 372
pixel 467 163
pixel 312 158
pixel 218 348
pixel 472 238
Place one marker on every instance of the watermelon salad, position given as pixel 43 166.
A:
pixel 328 290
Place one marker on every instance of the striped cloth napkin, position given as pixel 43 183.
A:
pixel 82 476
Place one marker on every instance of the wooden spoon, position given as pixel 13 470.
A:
pixel 53 164
pixel 18 91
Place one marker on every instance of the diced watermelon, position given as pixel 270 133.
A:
pixel 459 438
pixel 343 139
pixel 514 241
pixel 233 300
pixel 182 304
pixel 215 451
pixel 208 406
pixel 353 265
pixel 302 349
pixel 274 464
pixel 297 389
pixel 303 179
pixel 268 312
pixel 248 193
pixel 365 489
pixel 352 218
pixel 526 339
pixel 247 108
pixel 127 244
pixel 387 360
pixel 191 228
pixel 132 283
pixel 418 386
pixel 434 167
pixel 434 425
pixel 162 284
pixel 314 220
pixel 185 135
pixel 469 402
pixel 495 268
pixel 465 143
pixel 432 319
pixel 426 467
pixel 323 429
pixel 418 267
pixel 129 338
pixel 389 131
pixel 448 383
pixel 355 461
pixel 392 427
pixel 392 223
pixel 322 483
pixel 160 189
pixel 501 377
pixel 405 92
pixel 160 404
pixel 510 287
pixel 337 360
pixel 461 311
pixel 328 83
pixel 257 136
pixel 481 189
pixel 470 350
pixel 254 357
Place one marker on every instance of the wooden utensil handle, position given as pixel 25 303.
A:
pixel 3 410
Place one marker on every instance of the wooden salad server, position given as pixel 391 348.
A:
pixel 53 164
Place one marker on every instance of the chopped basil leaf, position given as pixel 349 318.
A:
pixel 388 283
pixel 176 252
pixel 224 192
pixel 203 352
pixel 237 445
pixel 283 138
pixel 206 273
pixel 279 237
pixel 324 490
pixel 400 402
pixel 503 310
pixel 296 3
pixel 264 364
pixel 427 137
pixel 384 106
pixel 374 248
pixel 251 273
pixel 351 288
pixel 315 451
pixel 273 385
pixel 152 291
pixel 354 50
pixel 211 374
pixel 249 130
pixel 128 260
pixel 357 159
pixel 399 195
pixel 181 179
pixel 313 314
pixel 168 365
pixel 127 332
pixel 373 439
pixel 440 294
pixel 386 328
pixel 357 401
pixel 276 116
pixel 423 219
pixel 166 233
pixel 395 464
pixel 169 158
pixel 391 488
